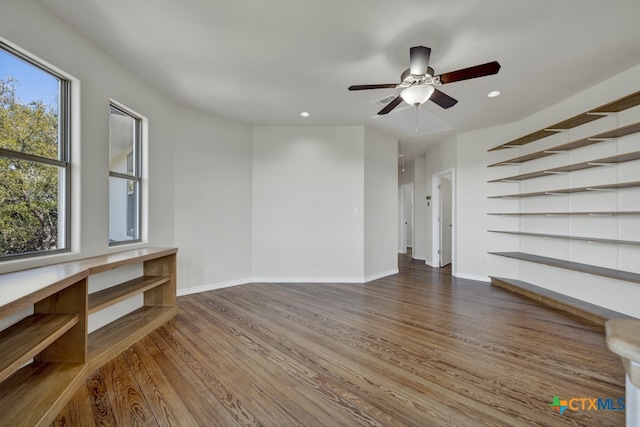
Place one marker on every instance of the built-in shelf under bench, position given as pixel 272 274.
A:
pixel 55 337
pixel 591 312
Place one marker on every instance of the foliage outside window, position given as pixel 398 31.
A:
pixel 124 175
pixel 34 157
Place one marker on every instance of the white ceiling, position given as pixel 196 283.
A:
pixel 265 61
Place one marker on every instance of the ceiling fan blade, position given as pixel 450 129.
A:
pixel 419 60
pixel 470 73
pixel 390 106
pixel 380 86
pixel 442 99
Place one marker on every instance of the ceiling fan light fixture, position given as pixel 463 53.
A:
pixel 417 95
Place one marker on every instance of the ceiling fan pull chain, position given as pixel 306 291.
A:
pixel 416 118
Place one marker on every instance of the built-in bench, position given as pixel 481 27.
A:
pixel 55 339
pixel 583 309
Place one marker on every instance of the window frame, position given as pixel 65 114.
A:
pixel 63 162
pixel 137 168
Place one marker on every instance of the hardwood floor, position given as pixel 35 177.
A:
pixel 420 349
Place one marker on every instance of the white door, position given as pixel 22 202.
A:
pixel 446 221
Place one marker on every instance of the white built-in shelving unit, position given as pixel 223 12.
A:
pixel 567 197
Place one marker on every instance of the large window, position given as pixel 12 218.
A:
pixel 124 175
pixel 34 157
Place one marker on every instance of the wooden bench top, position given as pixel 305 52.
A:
pixel 23 288
pixel 623 338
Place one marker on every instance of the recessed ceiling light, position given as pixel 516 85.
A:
pixel 494 93
pixel 305 114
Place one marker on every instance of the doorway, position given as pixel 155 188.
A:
pixel 406 218
pixel 446 221
pixel 443 226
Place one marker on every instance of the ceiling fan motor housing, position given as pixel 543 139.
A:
pixel 407 77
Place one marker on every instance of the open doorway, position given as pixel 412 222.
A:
pixel 443 219
pixel 406 218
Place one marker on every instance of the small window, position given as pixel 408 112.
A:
pixel 125 175
pixel 34 157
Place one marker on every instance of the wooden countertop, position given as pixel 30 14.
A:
pixel 22 288
pixel 623 338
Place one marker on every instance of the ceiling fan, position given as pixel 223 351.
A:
pixel 419 81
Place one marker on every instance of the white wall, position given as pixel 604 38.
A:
pixel 308 202
pixel 380 214
pixel 472 204
pixel 97 79
pixel 213 170
pixel 313 187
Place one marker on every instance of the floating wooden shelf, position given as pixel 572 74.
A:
pixel 584 142
pixel 609 213
pixel 604 187
pixel 588 311
pixel 621 158
pixel 589 116
pixel 574 266
pixel 560 236
pixel 56 335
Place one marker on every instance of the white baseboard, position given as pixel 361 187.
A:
pixel 472 277
pixel 431 263
pixel 213 286
pixel 247 280
pixel 381 275
pixel 307 279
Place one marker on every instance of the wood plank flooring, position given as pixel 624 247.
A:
pixel 416 349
